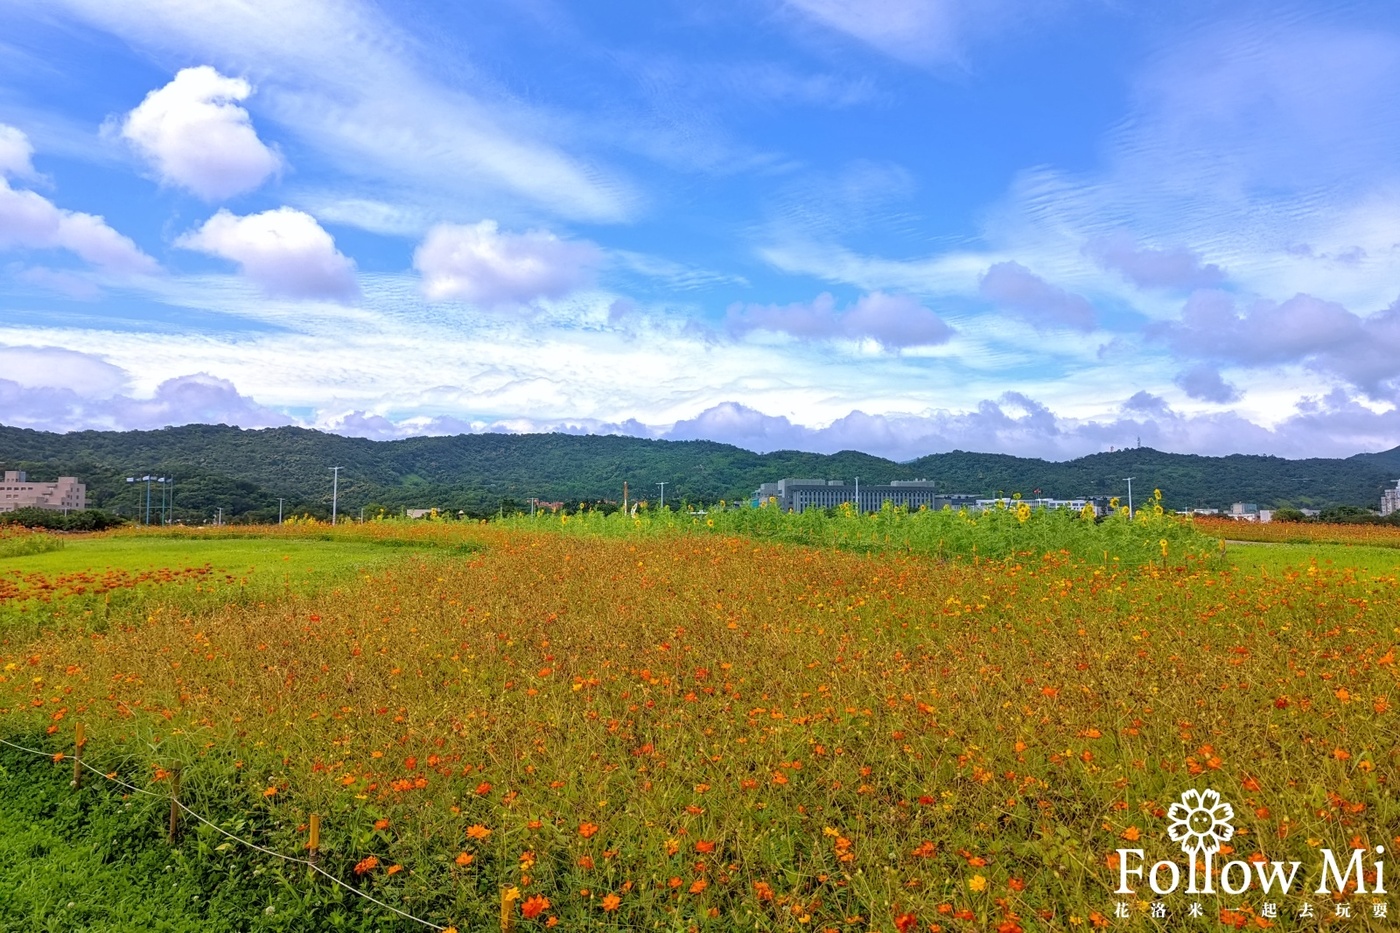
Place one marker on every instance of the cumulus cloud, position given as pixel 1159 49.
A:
pixel 1042 305
pixel 193 399
pixel 15 152
pixel 1323 335
pixel 58 368
pixel 893 321
pixel 30 221
pixel 196 136
pixel 284 252
pixel 1146 267
pixel 1332 426
pixel 484 266
pixel 1203 381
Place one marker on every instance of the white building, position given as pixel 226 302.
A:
pixel 17 492
pixel 1390 500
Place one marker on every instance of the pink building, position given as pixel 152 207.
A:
pixel 17 492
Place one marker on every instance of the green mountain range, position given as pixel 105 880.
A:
pixel 245 471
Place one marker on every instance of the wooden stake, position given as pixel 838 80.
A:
pixel 315 845
pixel 79 740
pixel 508 896
pixel 174 804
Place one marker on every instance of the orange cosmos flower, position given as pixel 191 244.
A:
pixel 587 830
pixel 611 902
pixel 478 832
pixel 366 865
pixel 533 906
pixel 465 858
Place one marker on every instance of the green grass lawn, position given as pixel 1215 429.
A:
pixel 97 859
pixel 1282 558
pixel 231 570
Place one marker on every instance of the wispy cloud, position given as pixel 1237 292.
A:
pixel 344 80
pixel 892 321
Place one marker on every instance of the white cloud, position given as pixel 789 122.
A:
pixel 481 265
pixel 196 136
pixel 29 221
pixel 284 252
pixel 15 152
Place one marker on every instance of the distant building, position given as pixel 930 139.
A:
pixel 1098 504
pixel 1390 500
pixel 1250 512
pixel 798 495
pixel 17 492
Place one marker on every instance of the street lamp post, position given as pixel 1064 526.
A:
pixel 335 491
pixel 663 496
pixel 1130 495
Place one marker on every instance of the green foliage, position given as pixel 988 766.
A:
pixel 1289 515
pixel 1152 537
pixel 24 544
pixel 97 859
pixel 86 520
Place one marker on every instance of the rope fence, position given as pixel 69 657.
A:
pixel 177 806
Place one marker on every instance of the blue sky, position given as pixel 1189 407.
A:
pixel 902 226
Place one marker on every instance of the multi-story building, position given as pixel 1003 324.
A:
pixel 797 495
pixel 1390 500
pixel 17 492
pixel 1098 504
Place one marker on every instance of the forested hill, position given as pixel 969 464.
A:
pixel 245 471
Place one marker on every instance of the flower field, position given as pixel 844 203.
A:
pixel 1359 534
pixel 687 728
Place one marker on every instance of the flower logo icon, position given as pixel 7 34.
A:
pixel 1200 822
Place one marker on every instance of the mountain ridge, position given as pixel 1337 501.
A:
pixel 245 470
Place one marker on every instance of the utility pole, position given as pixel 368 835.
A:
pixel 279 510
pixel 663 495
pixel 219 522
pixel 857 495
pixel 1130 495
pixel 335 491
pixel 624 497
pixel 171 519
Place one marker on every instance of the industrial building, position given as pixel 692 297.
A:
pixel 17 492
pixel 797 495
